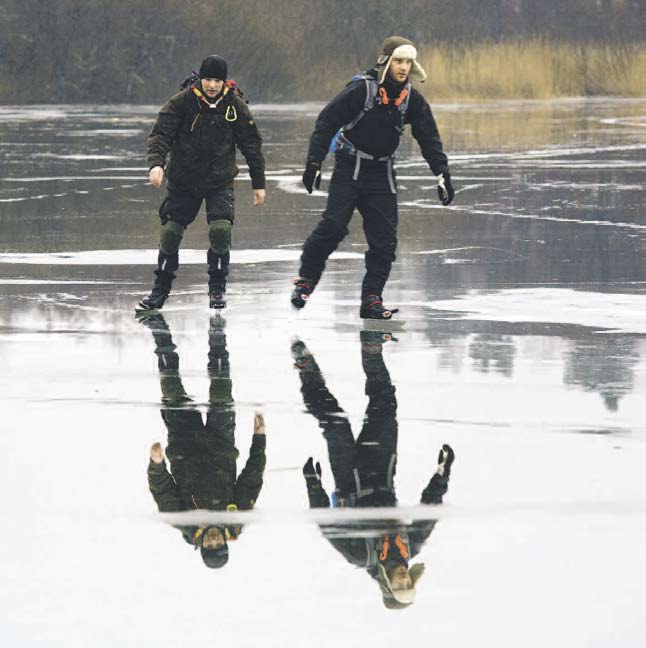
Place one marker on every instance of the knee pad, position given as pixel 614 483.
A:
pixel 220 236
pixel 170 237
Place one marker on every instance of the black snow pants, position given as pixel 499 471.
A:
pixel 182 208
pixel 372 194
pixel 364 469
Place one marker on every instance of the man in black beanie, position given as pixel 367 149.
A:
pixel 364 124
pixel 193 143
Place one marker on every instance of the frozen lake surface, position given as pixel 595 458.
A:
pixel 524 349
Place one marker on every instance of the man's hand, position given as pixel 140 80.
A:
pixel 445 460
pixel 156 176
pixel 156 453
pixel 312 176
pixel 315 493
pixel 310 472
pixel 258 197
pixel 445 189
pixel 258 423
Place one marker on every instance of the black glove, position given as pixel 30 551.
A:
pixel 445 460
pixel 444 188
pixel 315 492
pixel 439 483
pixel 312 176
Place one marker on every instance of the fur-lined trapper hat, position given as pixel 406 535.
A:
pixel 399 47
pixel 398 599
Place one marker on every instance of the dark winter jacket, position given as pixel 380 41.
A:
pixel 365 543
pixel 201 142
pixel 204 474
pixel 377 132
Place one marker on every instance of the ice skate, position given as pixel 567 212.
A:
pixel 302 290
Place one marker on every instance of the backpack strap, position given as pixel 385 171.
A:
pixel 369 102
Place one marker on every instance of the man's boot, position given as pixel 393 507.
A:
pixel 303 288
pixel 216 296
pixel 372 307
pixel 159 293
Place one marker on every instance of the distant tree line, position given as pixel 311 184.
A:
pixel 120 51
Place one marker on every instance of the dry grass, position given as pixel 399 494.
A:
pixel 536 69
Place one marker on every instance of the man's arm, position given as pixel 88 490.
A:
pixel 439 482
pixel 163 133
pixel 424 129
pixel 339 112
pixel 160 482
pixel 249 482
pixel 248 140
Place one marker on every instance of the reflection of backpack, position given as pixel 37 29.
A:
pixel 374 95
pixel 232 85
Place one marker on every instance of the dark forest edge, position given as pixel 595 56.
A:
pixel 111 51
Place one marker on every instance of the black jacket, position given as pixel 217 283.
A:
pixel 201 142
pixel 377 133
pixel 206 479
pixel 361 543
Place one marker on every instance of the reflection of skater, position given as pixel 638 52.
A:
pixel 364 472
pixel 200 128
pixel 202 456
pixel 364 123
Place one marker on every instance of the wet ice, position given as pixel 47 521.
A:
pixel 523 349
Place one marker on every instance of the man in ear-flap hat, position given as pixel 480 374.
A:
pixel 362 125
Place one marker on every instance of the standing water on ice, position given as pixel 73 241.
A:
pixel 521 369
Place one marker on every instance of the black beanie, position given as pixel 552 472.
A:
pixel 215 558
pixel 213 67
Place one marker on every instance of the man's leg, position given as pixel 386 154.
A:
pixel 219 215
pixel 178 210
pixel 379 212
pixel 219 443
pixel 376 456
pixel 331 418
pixel 331 230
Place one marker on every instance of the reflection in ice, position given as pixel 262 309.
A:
pixel 364 474
pixel 202 454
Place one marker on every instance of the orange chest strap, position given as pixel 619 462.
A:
pixel 385 99
pixel 399 543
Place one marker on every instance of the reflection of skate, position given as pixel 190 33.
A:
pixel 216 297
pixel 373 341
pixel 151 319
pixel 302 356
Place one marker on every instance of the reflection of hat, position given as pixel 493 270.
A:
pixel 399 47
pixel 215 558
pixel 398 599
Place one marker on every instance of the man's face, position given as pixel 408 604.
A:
pixel 213 538
pixel 211 87
pixel 399 69
pixel 400 578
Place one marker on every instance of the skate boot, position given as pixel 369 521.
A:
pixel 372 307
pixel 155 300
pixel 159 293
pixel 216 297
pixel 302 290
